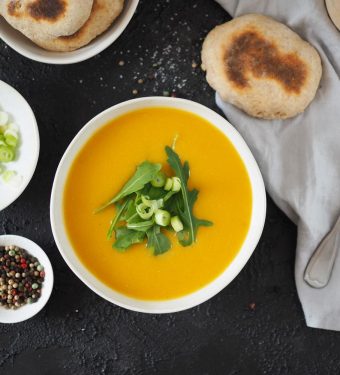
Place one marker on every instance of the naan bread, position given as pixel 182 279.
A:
pixel 261 66
pixel 333 7
pixel 104 12
pixel 48 18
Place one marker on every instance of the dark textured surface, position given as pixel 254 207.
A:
pixel 255 326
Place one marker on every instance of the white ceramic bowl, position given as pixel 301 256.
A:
pixel 28 152
pixel 25 47
pixel 178 304
pixel 28 311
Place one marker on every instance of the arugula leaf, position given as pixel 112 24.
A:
pixel 153 192
pixel 127 237
pixel 144 174
pixel 185 208
pixel 141 225
pixel 116 219
pixel 130 211
pixel 157 241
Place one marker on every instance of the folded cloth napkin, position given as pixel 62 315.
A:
pixel 300 157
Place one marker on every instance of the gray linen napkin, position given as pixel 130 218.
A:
pixel 300 157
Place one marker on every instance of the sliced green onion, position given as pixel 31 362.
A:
pixel 11 137
pixel 146 200
pixel 6 154
pixel 176 224
pixel 11 132
pixel 156 203
pixel 12 178
pixel 11 140
pixel 168 184
pixel 162 218
pixel 144 211
pixel 13 126
pixel 2 169
pixel 8 175
pixel 159 179
pixel 176 184
pixel 3 118
pixel 138 199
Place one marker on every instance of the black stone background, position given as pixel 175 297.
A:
pixel 254 326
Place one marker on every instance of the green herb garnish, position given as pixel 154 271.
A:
pixel 151 203
pixel 185 208
pixel 145 173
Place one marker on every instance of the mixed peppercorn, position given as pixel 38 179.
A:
pixel 21 277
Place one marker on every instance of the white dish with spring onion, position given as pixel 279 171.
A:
pixel 19 144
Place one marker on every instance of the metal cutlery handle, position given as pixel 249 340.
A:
pixel 320 265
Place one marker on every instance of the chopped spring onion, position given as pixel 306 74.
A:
pixel 173 184
pixel 162 218
pixel 159 180
pixel 2 169
pixel 11 141
pixel 8 175
pixel 12 178
pixel 144 211
pixel 156 203
pixel 176 224
pixel 6 154
pixel 13 126
pixel 3 118
pixel 11 138
pixel 168 184
pixel 176 184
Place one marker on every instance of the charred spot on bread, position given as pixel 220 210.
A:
pixel 251 53
pixel 13 7
pixel 50 10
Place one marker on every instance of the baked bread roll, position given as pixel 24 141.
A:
pixel 333 7
pixel 261 66
pixel 51 18
pixel 103 13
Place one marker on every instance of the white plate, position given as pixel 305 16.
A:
pixel 27 311
pixel 25 47
pixel 248 246
pixel 28 151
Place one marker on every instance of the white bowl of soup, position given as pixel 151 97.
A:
pixel 100 159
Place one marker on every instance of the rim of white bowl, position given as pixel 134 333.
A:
pixel 95 47
pixel 29 310
pixel 35 128
pixel 172 305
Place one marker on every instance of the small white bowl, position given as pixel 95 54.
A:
pixel 28 150
pixel 25 47
pixel 178 304
pixel 27 311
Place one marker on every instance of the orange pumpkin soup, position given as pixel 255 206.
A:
pixel 107 161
